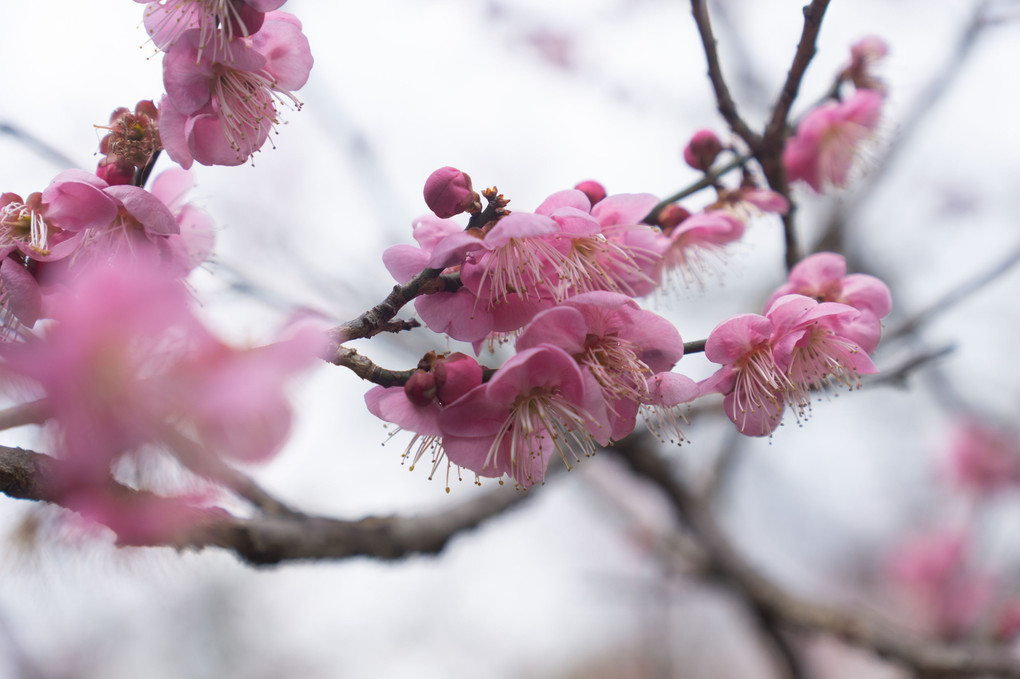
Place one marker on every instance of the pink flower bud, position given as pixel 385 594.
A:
pixel 592 189
pixel 421 388
pixel 448 192
pixel 671 216
pixel 702 149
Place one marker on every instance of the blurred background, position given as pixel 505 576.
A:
pixel 534 97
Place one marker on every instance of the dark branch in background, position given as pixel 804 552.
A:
pixel 955 296
pixel 727 107
pixel 38 145
pixel 770 153
pixel 266 540
pixel 898 377
pixel 774 605
pixel 767 149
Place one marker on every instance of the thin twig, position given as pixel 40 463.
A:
pixel 955 296
pixel 267 540
pixel 38 145
pixel 724 100
pixel 34 412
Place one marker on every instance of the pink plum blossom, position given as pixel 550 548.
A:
pixel 416 406
pixel 193 244
pixel 829 139
pixel 537 404
pixel 754 385
pixel 220 103
pixel 864 54
pixel 949 593
pixel 126 364
pixel 617 342
pixel 217 21
pixel 823 277
pixel 818 344
pixel 687 250
pixel 983 458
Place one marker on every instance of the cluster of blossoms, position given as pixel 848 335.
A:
pixel 228 65
pixel 942 574
pixel 95 319
pixel 829 137
pixel 818 330
pixel 561 282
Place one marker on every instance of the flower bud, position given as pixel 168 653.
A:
pixel 592 189
pixel 702 150
pixel 421 388
pixel 671 216
pixel 448 192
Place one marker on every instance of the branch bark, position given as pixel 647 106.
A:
pixel 277 538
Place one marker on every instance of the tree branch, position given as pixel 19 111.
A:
pixel 927 658
pixel 727 107
pixel 274 539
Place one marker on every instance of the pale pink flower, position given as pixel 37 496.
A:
pixel 220 103
pixel 818 345
pixel 864 54
pixel 950 595
pixel 822 276
pixel 829 139
pixel 689 248
pixel 217 21
pixel 193 244
pixel 537 404
pixel 983 458
pixel 125 364
pixel 754 385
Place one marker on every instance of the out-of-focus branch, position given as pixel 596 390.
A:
pixel 724 100
pixel 38 146
pixel 378 318
pixel 774 603
pixel 898 376
pixel 955 296
pixel 33 412
pixel 266 540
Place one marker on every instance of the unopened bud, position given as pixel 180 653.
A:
pixel 702 150
pixel 592 189
pixel 421 388
pixel 671 216
pixel 448 192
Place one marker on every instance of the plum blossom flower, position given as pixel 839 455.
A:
pixel 819 345
pixel 864 54
pixel 220 103
pixel 950 595
pixel 217 21
pixel 829 139
pixel 126 365
pixel 754 385
pixel 416 406
pixel 537 404
pixel 617 342
pixel 983 458
pixel 690 246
